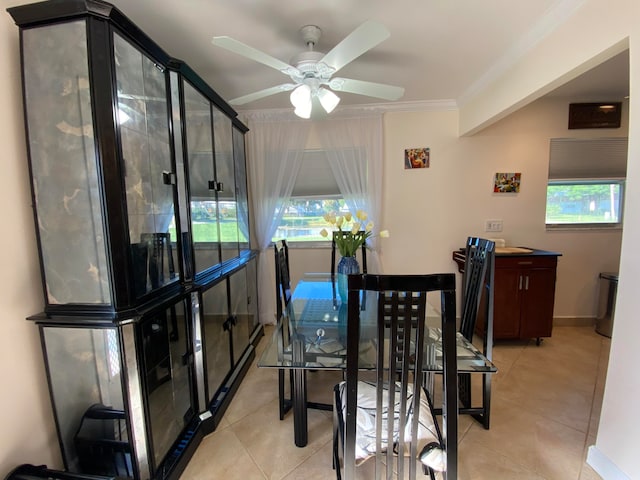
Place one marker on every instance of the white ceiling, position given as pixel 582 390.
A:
pixel 438 49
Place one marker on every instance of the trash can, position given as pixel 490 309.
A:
pixel 607 303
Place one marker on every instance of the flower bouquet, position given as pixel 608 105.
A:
pixel 354 231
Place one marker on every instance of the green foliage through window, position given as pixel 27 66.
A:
pixel 304 218
pixel 584 202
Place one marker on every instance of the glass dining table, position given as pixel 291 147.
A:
pixel 311 335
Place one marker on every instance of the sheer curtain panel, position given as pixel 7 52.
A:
pixel 353 147
pixel 276 143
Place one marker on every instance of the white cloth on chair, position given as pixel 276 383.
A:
pixel 366 425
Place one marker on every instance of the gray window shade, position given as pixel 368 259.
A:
pixel 588 158
pixel 315 176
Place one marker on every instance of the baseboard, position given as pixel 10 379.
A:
pixel 574 321
pixel 604 466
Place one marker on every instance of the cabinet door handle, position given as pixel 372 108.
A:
pixel 526 283
pixel 520 286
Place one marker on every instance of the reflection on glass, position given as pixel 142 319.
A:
pixel 167 376
pixel 214 313
pixel 63 164
pixel 241 189
pixel 240 309
pixel 100 447
pixel 144 131
pixel 204 208
pixel 225 173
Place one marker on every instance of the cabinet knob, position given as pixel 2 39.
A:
pixel 216 186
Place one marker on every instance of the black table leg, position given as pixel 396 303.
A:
pixel 299 393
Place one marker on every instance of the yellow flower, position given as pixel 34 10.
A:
pixel 384 234
pixel 330 218
pixel 351 227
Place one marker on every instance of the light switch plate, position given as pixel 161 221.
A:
pixel 493 226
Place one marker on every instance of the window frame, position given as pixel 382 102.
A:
pixel 297 243
pixel 621 182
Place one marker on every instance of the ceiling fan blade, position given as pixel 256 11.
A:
pixel 363 38
pixel 246 51
pixel 370 89
pixel 285 87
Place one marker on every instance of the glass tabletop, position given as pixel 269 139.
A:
pixel 312 333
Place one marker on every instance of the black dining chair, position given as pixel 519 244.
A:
pixel 283 297
pixel 477 302
pixel 400 337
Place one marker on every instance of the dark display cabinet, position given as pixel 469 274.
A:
pixel 140 201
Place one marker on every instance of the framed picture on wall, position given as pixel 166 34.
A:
pixel 506 182
pixel 416 158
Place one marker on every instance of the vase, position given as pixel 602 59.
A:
pixel 346 267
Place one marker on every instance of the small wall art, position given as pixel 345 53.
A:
pixel 506 183
pixel 416 158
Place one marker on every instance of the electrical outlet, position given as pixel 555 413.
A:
pixel 493 226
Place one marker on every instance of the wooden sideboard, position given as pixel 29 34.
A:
pixel 524 293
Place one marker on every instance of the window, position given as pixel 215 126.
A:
pixel 596 203
pixel 315 194
pixel 586 182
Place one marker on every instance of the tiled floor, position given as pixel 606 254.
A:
pixel 545 411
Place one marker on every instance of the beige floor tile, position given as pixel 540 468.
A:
pixel 545 409
pixel 259 387
pixel 270 441
pixel 541 445
pixel 480 463
pixel 222 455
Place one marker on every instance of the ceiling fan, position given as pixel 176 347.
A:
pixel 312 72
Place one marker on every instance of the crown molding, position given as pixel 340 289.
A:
pixel 365 109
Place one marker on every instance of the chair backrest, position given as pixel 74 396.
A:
pixel 283 280
pixel 402 333
pixel 477 277
pixel 363 259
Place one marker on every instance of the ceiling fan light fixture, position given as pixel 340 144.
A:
pixel 301 96
pixel 328 99
pixel 303 111
pixel 301 100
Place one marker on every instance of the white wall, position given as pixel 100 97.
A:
pixel 616 450
pixel 596 31
pixel 430 212
pixel 28 431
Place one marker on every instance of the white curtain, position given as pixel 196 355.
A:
pixel 275 145
pixel 353 146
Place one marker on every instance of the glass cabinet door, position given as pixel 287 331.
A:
pixel 214 314
pixel 64 167
pixel 240 310
pixel 144 132
pixel 167 375
pixel 241 189
pixel 85 380
pixel 225 175
pixel 198 123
